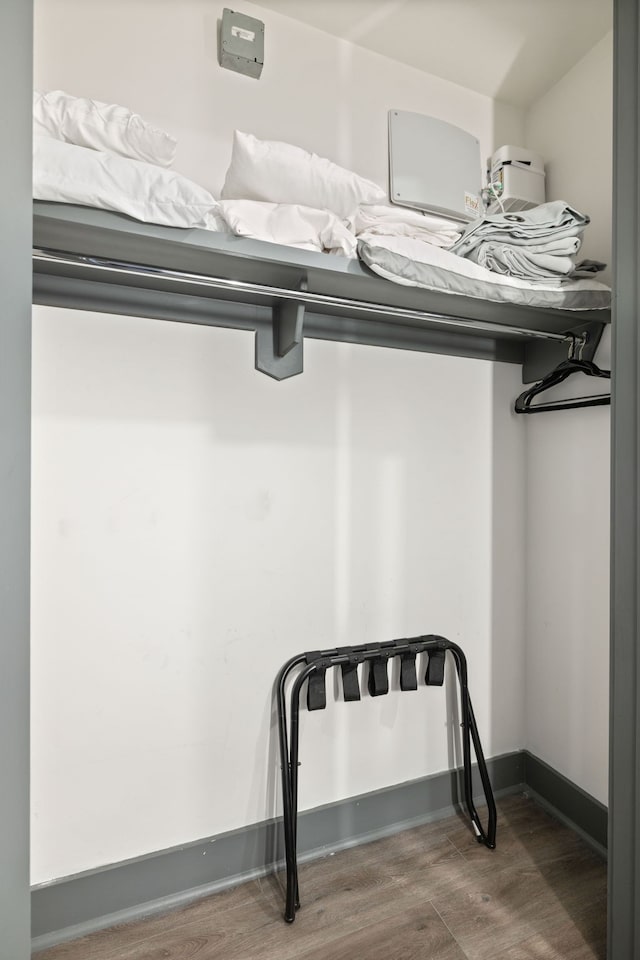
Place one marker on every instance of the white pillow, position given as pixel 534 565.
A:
pixel 291 224
pixel 281 173
pixel 101 126
pixel 70 174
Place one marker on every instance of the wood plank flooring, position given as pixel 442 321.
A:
pixel 430 893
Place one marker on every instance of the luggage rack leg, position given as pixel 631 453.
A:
pixel 289 737
pixel 289 743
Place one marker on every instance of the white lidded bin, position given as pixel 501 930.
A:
pixel 520 173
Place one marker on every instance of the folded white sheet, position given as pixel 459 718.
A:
pixel 69 174
pixel 385 219
pixel 101 126
pixel 291 224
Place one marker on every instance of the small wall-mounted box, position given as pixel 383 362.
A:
pixel 519 173
pixel 241 43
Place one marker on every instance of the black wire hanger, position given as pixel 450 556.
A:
pixel 574 364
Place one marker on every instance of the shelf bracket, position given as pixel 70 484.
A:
pixel 279 346
pixel 541 356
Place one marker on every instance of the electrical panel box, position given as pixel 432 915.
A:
pixel 241 43
pixel 434 166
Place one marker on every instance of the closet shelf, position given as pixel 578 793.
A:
pixel 92 259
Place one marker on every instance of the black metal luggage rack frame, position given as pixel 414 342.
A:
pixel 313 667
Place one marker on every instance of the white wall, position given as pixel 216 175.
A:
pixel 567 643
pixel 195 523
pixel 317 91
pixel 571 126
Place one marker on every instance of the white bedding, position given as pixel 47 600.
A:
pixel 277 172
pixel 292 224
pixel 386 219
pixel 401 245
pixel 101 126
pixel 415 263
pixel 68 173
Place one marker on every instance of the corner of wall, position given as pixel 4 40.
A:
pixel 508 124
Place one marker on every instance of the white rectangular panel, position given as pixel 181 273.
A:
pixel 434 166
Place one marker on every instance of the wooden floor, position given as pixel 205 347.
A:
pixel 430 893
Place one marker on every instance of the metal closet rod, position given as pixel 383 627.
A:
pixel 100 264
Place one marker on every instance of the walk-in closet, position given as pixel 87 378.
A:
pixel 260 408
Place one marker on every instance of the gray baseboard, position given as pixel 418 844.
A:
pixel 574 806
pixel 74 906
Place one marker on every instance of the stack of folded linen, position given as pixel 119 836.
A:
pixel 539 244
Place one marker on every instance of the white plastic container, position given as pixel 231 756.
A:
pixel 520 174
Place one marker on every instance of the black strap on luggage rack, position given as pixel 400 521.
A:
pixel 312 667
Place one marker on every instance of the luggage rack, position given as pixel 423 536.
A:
pixel 312 666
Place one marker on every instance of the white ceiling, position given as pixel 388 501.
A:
pixel 513 50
